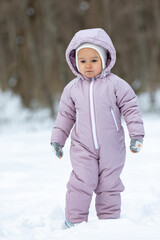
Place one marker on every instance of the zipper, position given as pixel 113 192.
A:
pixel 77 119
pixel 93 115
pixel 114 118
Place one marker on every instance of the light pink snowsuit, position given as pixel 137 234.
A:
pixel 97 148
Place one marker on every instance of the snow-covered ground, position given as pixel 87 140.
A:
pixel 33 184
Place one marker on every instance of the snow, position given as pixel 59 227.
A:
pixel 14 117
pixel 150 101
pixel 33 182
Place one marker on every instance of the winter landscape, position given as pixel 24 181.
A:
pixel 33 182
pixel 34 37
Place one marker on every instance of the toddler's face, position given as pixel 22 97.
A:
pixel 89 62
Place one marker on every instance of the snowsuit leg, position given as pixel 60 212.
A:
pixel 111 163
pixel 108 199
pixel 83 181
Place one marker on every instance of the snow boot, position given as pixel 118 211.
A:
pixel 69 224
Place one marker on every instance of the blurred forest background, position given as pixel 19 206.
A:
pixel 34 35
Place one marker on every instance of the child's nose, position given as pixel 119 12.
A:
pixel 88 65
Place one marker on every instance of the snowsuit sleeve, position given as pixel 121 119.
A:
pixel 65 118
pixel 127 102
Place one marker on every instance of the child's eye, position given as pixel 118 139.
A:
pixel 83 61
pixel 94 60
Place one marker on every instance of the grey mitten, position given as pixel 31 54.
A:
pixel 57 149
pixel 135 145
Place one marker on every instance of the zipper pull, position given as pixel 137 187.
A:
pixel 114 118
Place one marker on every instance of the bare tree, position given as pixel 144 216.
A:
pixel 34 35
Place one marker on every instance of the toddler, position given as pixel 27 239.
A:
pixel 93 102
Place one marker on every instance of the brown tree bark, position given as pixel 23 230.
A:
pixel 34 35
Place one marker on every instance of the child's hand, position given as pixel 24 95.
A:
pixel 57 149
pixel 135 145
